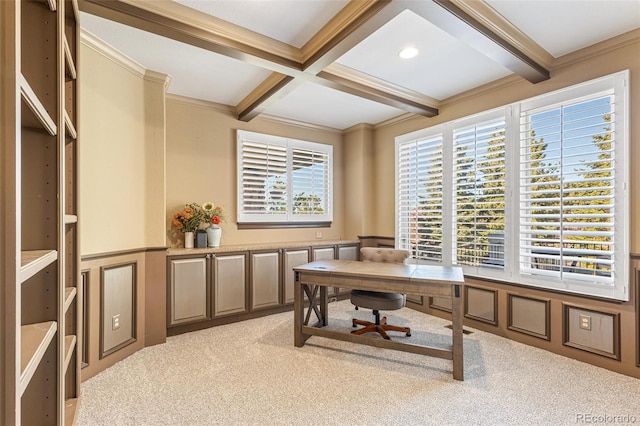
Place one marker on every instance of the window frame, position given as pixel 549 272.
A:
pixel 619 290
pixel 288 219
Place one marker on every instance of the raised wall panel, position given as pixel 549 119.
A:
pixel 440 303
pixel 637 282
pixel 265 280
pixel 528 315
pixel 118 300
pixel 414 298
pixel 592 331
pixel 291 259
pixel 229 285
pixel 188 293
pixel 481 304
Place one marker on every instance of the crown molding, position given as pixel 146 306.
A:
pixel 158 77
pixel 230 111
pixel 98 45
pixel 224 109
pixel 483 90
pixel 597 49
pixel 396 120
pixel 359 127
pixel 297 123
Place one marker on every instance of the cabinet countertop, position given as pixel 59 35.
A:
pixel 179 251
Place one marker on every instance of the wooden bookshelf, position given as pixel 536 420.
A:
pixel 39 116
pixel 34 341
pixel 34 261
pixel 40 270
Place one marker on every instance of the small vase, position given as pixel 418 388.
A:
pixel 188 240
pixel 214 233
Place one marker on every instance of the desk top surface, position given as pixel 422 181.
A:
pixel 412 273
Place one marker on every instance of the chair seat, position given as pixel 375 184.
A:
pixel 376 300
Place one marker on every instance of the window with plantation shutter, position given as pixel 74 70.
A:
pixel 283 181
pixel 479 170
pixel 568 204
pixel 420 197
pixel 533 193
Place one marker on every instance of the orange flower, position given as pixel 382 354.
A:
pixel 215 220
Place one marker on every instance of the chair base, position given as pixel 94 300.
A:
pixel 380 326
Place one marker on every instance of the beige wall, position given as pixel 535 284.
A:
pixel 596 65
pixel 359 182
pixel 121 156
pixel 201 166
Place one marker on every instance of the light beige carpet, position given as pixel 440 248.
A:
pixel 250 373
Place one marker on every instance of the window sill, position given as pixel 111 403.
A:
pixel 279 225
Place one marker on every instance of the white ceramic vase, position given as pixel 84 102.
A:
pixel 188 239
pixel 214 233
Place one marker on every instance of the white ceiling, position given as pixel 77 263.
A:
pixel 445 66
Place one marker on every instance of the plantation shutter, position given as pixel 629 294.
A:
pixel 567 159
pixel 479 194
pixel 264 178
pixel 420 197
pixel 310 181
pixel 283 180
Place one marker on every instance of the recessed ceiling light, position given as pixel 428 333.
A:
pixel 408 53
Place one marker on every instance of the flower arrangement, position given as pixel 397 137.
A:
pixel 188 219
pixel 213 214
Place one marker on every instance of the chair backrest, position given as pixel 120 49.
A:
pixel 388 255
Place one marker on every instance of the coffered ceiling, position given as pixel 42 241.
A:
pixel 335 63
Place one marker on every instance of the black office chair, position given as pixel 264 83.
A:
pixel 376 300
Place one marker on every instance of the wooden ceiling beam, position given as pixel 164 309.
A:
pixel 479 26
pixel 473 22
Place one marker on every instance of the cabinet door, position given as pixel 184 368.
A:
pixel 229 284
pixel 323 253
pixel 265 280
pixel 188 290
pixel 292 259
pixel 351 252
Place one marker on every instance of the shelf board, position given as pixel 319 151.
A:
pixel 70 411
pixel 69 345
pixel 70 218
pixel 71 67
pixel 69 295
pixel 34 261
pixel 43 118
pixel 34 341
pixel 68 124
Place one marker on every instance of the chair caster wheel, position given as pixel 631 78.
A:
pixel 408 334
pixel 387 338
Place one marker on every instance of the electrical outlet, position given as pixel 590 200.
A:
pixel 585 322
pixel 318 235
pixel 115 322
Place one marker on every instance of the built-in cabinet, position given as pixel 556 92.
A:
pixel 190 301
pixel 265 279
pixel 229 284
pixel 290 259
pixel 214 288
pixel 40 267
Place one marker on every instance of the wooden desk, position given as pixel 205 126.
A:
pixel 313 278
